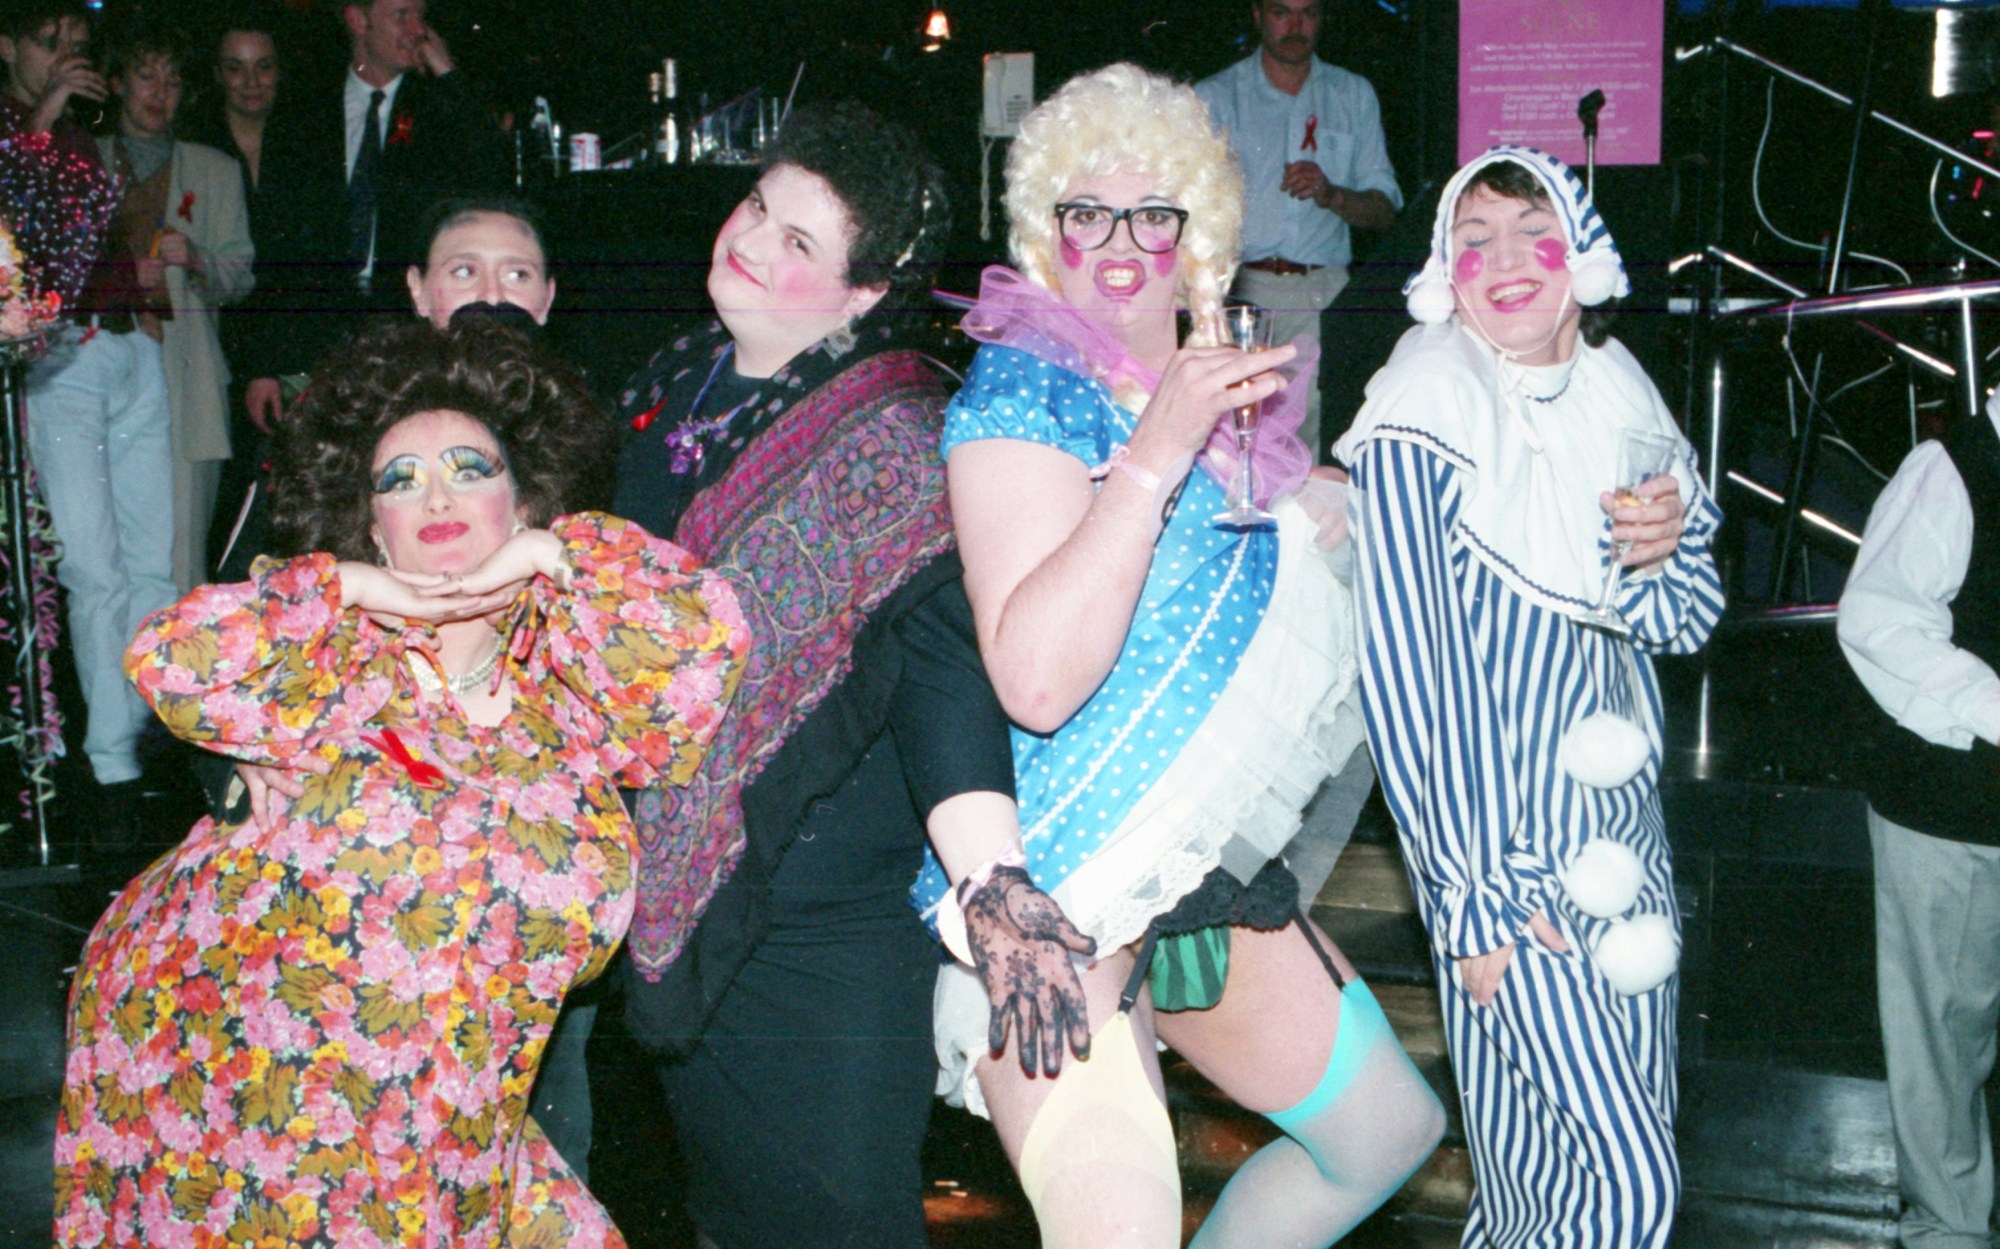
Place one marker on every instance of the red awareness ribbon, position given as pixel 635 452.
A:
pixel 426 775
pixel 641 421
pixel 1311 144
pixel 187 207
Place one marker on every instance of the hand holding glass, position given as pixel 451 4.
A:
pixel 1247 328
pixel 1641 457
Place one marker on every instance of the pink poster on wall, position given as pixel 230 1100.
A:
pixel 1524 64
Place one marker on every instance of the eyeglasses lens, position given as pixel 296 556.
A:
pixel 1087 227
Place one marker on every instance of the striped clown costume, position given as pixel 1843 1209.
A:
pixel 1479 536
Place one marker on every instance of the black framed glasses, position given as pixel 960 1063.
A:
pixel 1154 228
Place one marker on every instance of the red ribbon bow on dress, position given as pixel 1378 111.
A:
pixel 400 133
pixel 1310 143
pixel 426 775
pixel 186 212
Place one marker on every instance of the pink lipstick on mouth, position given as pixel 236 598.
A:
pixel 1518 302
pixel 1120 290
pixel 737 265
pixel 434 534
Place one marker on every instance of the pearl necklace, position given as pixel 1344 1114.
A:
pixel 461 683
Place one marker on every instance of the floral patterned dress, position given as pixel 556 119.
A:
pixel 326 1034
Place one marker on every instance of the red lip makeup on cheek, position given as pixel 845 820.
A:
pixel 1071 257
pixel 1469 265
pixel 1550 253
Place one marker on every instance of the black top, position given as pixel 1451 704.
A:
pixel 278 327
pixel 835 821
pixel 857 850
pixel 1917 783
pixel 650 493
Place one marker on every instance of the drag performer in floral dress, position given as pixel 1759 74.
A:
pixel 322 1029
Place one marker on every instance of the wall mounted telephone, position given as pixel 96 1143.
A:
pixel 1010 93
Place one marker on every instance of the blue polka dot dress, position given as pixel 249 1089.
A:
pixel 1236 695
pixel 1202 601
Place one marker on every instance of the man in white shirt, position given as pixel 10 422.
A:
pixel 1315 167
pixel 1920 623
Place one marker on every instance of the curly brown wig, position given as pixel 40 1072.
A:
pixel 550 430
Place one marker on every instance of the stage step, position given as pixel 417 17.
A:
pixel 1369 877
pixel 1367 908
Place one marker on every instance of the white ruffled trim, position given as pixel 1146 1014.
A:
pixel 1232 795
pixel 1251 766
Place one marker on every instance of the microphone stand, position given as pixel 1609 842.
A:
pixel 1586 112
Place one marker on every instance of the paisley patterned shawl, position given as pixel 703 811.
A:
pixel 821 518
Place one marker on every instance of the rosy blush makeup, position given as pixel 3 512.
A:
pixel 1469 265
pixel 1163 262
pixel 1071 257
pixel 1551 253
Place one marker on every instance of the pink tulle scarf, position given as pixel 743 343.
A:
pixel 1015 312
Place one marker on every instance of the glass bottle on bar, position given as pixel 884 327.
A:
pixel 666 126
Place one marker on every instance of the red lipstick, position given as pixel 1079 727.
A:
pixel 434 534
pixel 737 265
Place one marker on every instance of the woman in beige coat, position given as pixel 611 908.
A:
pixel 199 259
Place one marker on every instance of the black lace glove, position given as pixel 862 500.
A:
pixel 1021 943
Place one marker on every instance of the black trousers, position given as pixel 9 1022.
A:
pixel 802 1110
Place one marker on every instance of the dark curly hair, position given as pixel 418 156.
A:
pixel 1513 180
pixel 551 432
pixel 893 192
pixel 27 19
pixel 142 39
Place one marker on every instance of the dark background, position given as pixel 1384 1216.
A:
pixel 1779 1039
pixel 631 248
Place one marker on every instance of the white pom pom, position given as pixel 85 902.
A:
pixel 1429 299
pixel 1593 277
pixel 1637 955
pixel 1603 878
pixel 1603 750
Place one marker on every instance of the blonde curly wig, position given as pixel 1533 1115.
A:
pixel 1123 119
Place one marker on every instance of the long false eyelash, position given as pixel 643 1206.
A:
pixel 458 459
pixel 397 471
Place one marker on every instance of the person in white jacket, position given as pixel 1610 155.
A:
pixel 1920 623
pixel 201 254
pixel 126 416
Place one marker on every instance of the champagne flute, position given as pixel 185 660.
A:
pixel 1247 328
pixel 1641 457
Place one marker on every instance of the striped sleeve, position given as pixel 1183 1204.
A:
pixel 1674 612
pixel 1449 770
